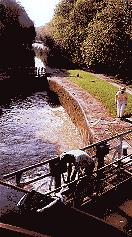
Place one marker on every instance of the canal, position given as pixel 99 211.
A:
pixel 34 129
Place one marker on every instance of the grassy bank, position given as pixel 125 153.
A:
pixel 101 90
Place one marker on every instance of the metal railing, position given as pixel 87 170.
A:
pixel 18 173
pixel 118 169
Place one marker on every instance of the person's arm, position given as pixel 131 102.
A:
pixel 116 98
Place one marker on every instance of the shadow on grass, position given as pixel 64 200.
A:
pixel 127 115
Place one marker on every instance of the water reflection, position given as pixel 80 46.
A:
pixel 40 66
pixel 38 45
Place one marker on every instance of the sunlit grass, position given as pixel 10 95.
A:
pixel 101 90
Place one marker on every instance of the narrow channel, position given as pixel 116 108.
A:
pixel 34 129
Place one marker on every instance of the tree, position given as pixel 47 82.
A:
pixel 94 33
pixel 109 41
pixel 16 34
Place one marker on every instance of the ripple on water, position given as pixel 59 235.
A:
pixel 32 130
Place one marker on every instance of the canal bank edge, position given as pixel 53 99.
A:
pixel 98 121
pixel 74 110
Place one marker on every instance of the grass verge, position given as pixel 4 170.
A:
pixel 101 90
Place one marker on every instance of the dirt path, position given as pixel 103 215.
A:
pixel 112 81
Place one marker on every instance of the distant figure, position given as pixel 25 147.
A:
pixel 121 99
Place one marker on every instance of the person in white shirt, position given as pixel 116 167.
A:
pixel 121 99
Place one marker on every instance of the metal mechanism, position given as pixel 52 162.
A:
pixel 74 178
pixel 102 149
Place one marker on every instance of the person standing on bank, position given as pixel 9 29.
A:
pixel 121 99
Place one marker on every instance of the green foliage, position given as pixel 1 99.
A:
pixel 101 90
pixel 94 33
pixel 70 26
pixel 107 28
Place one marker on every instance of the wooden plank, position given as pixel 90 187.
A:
pixel 19 230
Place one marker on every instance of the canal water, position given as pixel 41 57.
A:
pixel 34 129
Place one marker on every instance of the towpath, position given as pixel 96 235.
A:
pixel 100 121
pixel 111 81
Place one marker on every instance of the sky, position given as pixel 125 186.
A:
pixel 39 11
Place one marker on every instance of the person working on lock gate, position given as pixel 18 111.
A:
pixel 121 99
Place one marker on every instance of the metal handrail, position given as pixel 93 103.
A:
pixel 122 158
pixel 105 140
pixel 47 161
pixel 28 168
pixel 18 173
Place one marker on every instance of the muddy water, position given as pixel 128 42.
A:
pixel 32 130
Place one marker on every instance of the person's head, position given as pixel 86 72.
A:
pixel 123 89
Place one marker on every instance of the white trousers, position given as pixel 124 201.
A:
pixel 120 108
pixel 40 70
